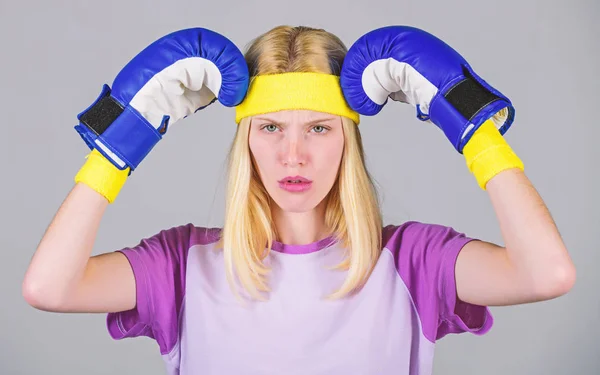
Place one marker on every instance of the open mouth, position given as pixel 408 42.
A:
pixel 295 184
pixel 295 180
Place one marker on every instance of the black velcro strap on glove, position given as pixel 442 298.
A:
pixel 102 114
pixel 468 96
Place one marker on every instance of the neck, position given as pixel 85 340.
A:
pixel 300 228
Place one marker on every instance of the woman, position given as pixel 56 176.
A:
pixel 303 277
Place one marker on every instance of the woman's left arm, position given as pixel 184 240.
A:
pixel 429 74
pixel 534 264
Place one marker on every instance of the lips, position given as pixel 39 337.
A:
pixel 294 179
pixel 295 184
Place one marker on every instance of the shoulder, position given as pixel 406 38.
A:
pixel 190 233
pixel 203 235
pixel 415 241
pixel 174 241
pixel 417 232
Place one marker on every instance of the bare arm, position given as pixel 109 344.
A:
pixel 534 265
pixel 62 277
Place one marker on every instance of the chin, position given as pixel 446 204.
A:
pixel 296 208
pixel 287 202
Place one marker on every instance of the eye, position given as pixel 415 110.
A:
pixel 320 129
pixel 270 128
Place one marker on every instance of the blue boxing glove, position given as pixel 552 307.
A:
pixel 412 66
pixel 170 79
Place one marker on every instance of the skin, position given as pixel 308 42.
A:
pixel 298 143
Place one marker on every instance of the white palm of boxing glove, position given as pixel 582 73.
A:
pixel 399 81
pixel 178 91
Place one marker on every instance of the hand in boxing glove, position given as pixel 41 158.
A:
pixel 409 65
pixel 173 77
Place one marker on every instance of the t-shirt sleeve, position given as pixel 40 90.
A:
pixel 158 265
pixel 425 256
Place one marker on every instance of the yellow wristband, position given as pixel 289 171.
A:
pixel 102 176
pixel 487 153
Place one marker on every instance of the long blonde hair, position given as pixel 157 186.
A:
pixel 352 208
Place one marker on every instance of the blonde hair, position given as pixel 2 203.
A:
pixel 352 209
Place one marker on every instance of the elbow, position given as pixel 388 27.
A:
pixel 558 282
pixel 38 297
pixel 32 294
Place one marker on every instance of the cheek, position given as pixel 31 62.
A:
pixel 263 156
pixel 328 157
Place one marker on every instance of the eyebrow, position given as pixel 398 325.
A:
pixel 323 119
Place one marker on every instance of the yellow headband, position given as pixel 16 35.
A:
pixel 298 90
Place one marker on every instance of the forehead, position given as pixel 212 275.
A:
pixel 297 115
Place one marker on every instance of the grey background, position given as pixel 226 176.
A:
pixel 543 54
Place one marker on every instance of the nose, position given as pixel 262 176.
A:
pixel 294 152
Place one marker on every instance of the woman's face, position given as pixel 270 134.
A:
pixel 298 154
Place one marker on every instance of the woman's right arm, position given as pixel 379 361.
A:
pixel 62 276
pixel 126 123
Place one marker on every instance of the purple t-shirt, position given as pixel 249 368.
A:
pixel 390 327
